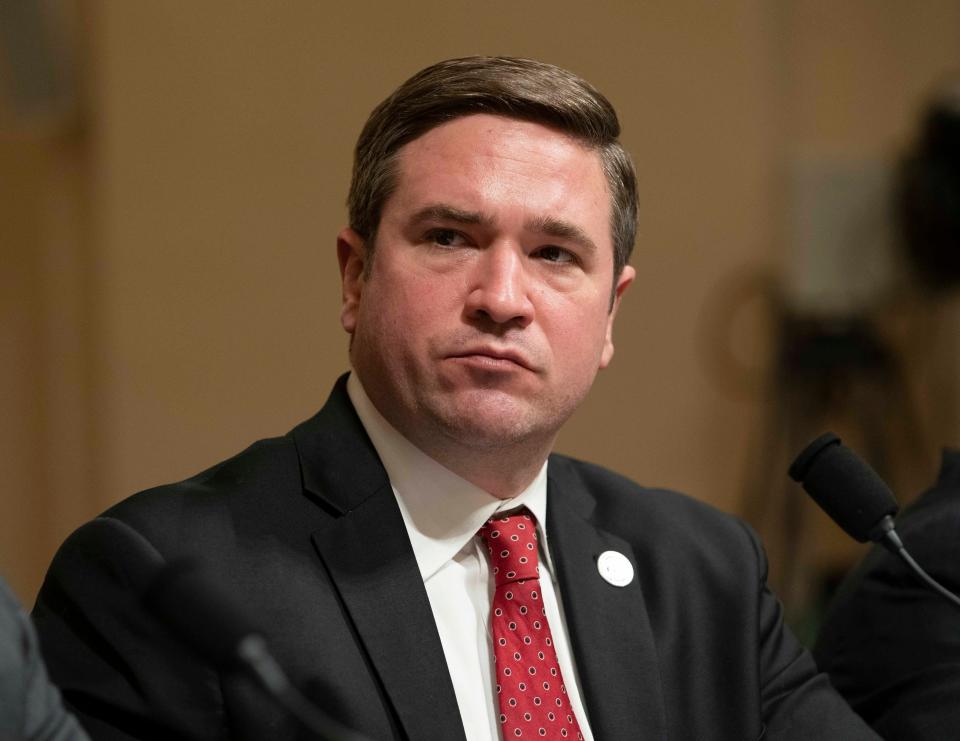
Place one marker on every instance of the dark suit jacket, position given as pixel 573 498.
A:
pixel 306 531
pixel 892 646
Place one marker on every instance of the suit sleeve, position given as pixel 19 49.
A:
pixel 796 701
pixel 118 669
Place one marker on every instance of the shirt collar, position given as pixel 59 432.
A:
pixel 441 510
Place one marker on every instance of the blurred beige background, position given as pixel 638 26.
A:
pixel 167 220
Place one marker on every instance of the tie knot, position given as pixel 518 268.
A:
pixel 511 541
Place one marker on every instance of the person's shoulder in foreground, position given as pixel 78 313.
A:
pixel 30 706
pixel 890 644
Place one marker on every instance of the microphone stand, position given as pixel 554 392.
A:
pixel 254 656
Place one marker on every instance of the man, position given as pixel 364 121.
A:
pixel 492 213
pixel 890 644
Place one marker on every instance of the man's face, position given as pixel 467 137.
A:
pixel 486 313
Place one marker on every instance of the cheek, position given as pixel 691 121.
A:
pixel 578 333
pixel 404 308
pixel 423 304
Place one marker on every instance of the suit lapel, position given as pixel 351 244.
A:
pixel 368 556
pixel 609 629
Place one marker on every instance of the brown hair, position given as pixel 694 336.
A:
pixel 517 88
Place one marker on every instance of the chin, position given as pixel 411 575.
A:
pixel 489 423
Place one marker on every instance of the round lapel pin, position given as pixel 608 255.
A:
pixel 615 568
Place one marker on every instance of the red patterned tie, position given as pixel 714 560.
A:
pixel 533 698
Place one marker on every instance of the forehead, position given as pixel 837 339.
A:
pixel 503 164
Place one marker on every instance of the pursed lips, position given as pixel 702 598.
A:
pixel 495 355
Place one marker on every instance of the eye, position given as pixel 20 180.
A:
pixel 555 254
pixel 445 237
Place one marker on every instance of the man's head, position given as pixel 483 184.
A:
pixel 489 311
pixel 524 89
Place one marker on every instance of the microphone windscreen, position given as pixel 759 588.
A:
pixel 199 611
pixel 844 486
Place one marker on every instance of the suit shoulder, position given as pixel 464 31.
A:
pixel 659 514
pixel 250 480
pixel 614 489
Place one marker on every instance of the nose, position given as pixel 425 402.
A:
pixel 499 289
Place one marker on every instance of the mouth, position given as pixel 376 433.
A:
pixel 494 359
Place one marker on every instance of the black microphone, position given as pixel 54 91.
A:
pixel 846 488
pixel 856 498
pixel 208 620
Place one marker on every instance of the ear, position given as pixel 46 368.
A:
pixel 623 282
pixel 352 254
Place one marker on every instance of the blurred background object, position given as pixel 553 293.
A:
pixel 927 203
pixel 870 243
pixel 37 41
pixel 168 211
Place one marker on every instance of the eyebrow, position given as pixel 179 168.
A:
pixel 443 212
pixel 547 225
pixel 561 229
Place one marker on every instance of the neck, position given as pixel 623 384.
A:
pixel 501 466
pixel 503 472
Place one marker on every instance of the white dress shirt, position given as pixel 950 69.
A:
pixel 442 513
